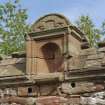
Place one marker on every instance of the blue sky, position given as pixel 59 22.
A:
pixel 72 9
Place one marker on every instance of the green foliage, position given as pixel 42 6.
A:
pixel 86 25
pixel 103 28
pixel 13 27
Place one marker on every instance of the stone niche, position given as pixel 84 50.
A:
pixel 53 41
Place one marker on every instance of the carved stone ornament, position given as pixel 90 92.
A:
pixel 50 21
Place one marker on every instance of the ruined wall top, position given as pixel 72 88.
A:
pixel 50 21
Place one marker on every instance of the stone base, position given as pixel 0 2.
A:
pixel 51 100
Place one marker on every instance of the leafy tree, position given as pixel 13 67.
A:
pixel 86 25
pixel 103 28
pixel 13 27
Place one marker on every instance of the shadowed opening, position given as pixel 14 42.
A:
pixel 53 57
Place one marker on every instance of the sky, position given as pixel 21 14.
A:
pixel 72 9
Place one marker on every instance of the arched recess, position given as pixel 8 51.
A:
pixel 53 57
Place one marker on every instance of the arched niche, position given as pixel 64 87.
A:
pixel 53 57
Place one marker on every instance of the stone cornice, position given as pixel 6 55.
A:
pixel 48 32
pixel 86 74
pixel 56 32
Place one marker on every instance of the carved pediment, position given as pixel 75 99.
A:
pixel 50 21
